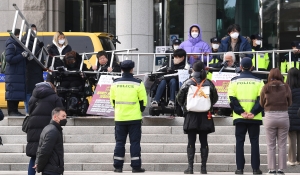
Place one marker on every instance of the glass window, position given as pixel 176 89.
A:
pixel 74 16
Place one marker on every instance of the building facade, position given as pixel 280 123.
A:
pixel 149 23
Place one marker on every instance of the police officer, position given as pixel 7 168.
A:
pixel 129 99
pixel 215 43
pixel 262 58
pixel 246 114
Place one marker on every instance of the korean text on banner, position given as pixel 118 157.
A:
pixel 221 82
pixel 100 104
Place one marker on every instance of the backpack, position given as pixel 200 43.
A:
pixel 3 60
pixel 198 99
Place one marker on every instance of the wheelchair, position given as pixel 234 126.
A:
pixel 74 98
pixel 162 107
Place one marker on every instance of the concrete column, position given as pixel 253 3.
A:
pixel 134 27
pixel 7 14
pixel 203 13
pixel 55 15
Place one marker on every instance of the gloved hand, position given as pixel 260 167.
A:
pixel 30 57
pixel 41 44
pixel 24 54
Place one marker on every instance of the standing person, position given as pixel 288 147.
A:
pixel 215 44
pixel 195 44
pixel 41 104
pixel 34 72
pixel 293 80
pixel 276 97
pixel 197 122
pixel 235 43
pixel 128 116
pixel 58 47
pixel 15 88
pixel 246 114
pixel 50 152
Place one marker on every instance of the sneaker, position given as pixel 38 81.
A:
pixel 297 163
pixel 139 170
pixel 171 104
pixel 290 163
pixel 154 104
pixel 280 172
pixel 118 170
pixel 239 171
pixel 271 172
pixel 258 171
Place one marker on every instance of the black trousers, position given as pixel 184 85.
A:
pixel 12 106
pixel 240 134
pixel 135 133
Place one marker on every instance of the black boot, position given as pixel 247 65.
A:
pixel 204 156
pixel 190 155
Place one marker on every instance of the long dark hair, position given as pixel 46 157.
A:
pixel 293 78
pixel 275 80
pixel 198 66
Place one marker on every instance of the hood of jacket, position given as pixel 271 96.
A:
pixel 198 38
pixel 42 91
pixel 11 40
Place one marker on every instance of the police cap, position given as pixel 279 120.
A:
pixel 176 42
pixel 127 64
pixel 214 40
pixel 246 63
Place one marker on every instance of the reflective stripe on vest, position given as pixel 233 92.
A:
pixel 125 103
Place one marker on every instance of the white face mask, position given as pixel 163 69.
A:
pixel 234 35
pixel 194 34
pixel 61 41
pixel 215 46
pixel 257 42
pixel 175 47
pixel 178 60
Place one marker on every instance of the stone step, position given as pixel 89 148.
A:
pixel 84 130
pixel 146 138
pixel 105 121
pixel 146 148
pixel 221 158
pixel 150 167
pixel 169 167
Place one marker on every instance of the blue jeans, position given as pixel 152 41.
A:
pixel 31 171
pixel 26 102
pixel 173 84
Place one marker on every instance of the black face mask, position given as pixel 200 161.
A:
pixel 63 122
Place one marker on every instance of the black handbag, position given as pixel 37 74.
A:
pixel 1 115
pixel 25 124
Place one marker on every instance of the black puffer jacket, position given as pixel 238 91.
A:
pixel 196 121
pixel 50 153
pixel 293 109
pixel 41 104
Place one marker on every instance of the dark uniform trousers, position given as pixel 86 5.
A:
pixel 240 133
pixel 121 132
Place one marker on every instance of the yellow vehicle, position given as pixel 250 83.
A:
pixel 79 41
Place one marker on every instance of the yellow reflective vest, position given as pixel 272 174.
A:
pixel 243 93
pixel 263 60
pixel 128 97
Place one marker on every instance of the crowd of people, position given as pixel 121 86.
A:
pixel 280 101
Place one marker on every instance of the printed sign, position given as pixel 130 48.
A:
pixel 221 82
pixel 2 77
pixel 100 104
pixel 182 76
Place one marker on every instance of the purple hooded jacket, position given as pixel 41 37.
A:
pixel 196 45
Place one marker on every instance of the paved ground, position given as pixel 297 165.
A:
pixel 125 173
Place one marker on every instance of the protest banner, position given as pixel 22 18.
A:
pixel 182 76
pixel 221 82
pixel 100 104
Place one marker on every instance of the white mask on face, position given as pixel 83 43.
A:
pixel 234 35
pixel 257 42
pixel 61 41
pixel 215 46
pixel 194 34
pixel 175 47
